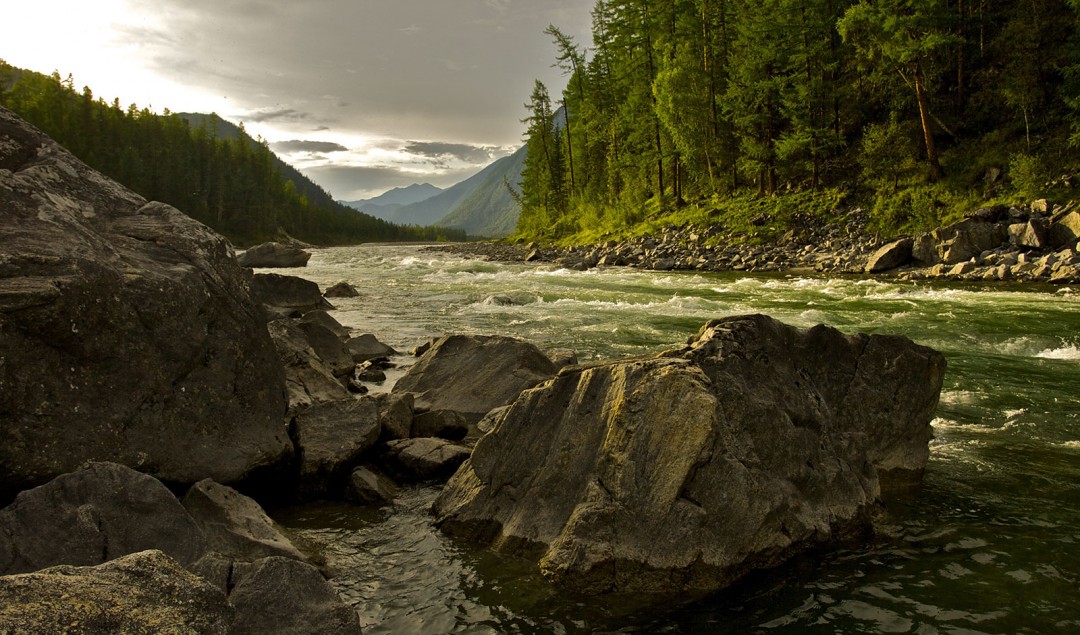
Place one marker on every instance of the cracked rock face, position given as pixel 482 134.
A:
pixel 127 332
pixel 755 442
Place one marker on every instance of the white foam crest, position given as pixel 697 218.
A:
pixel 1069 445
pixel 959 397
pixel 1071 353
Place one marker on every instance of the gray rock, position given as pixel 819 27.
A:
pixel 308 379
pixel 395 414
pixel 1032 234
pixel 445 424
pixel 128 332
pixel 890 256
pixel 958 242
pixel 473 374
pixel 288 296
pixel 234 525
pixel 286 597
pixel 368 487
pixel 330 439
pixel 753 444
pixel 274 255
pixel 145 592
pixel 95 514
pixel 342 290
pixel 324 319
pixel 329 347
pixel 366 347
pixel 1065 230
pixel 425 458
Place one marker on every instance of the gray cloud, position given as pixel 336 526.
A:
pixel 297 145
pixel 460 151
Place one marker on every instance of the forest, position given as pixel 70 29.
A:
pixel 230 182
pixel 741 113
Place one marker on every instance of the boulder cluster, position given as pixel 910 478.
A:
pixel 1036 243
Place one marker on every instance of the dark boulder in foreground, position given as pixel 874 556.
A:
pixel 274 255
pixel 473 374
pixel 756 442
pixel 128 332
pixel 287 597
pixel 288 296
pixel 145 592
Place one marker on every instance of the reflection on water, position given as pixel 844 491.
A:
pixel 991 543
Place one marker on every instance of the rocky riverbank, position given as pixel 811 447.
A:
pixel 1036 243
pixel 154 394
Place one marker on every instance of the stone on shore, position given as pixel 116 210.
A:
pixel 324 319
pixel 234 525
pixel 287 597
pixel 1065 230
pixel 425 458
pixel 268 255
pixel 958 242
pixel 331 438
pixel 366 347
pixel 369 487
pixel 144 592
pixel 756 442
pixel 287 296
pixel 95 514
pixel 329 347
pixel 308 379
pixel 889 257
pixel 128 332
pixel 473 374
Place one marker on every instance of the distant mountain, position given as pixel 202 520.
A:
pixel 480 204
pixel 384 205
pixel 489 209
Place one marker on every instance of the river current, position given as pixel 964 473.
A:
pixel 989 544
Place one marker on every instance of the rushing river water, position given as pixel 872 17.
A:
pixel 989 544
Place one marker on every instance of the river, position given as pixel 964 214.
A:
pixel 989 544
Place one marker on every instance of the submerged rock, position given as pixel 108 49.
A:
pixel 341 290
pixel 473 374
pixel 274 255
pixel 128 332
pixel 756 442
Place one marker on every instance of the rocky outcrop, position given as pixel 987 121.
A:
pixel 959 242
pixel 754 443
pixel 145 592
pixel 269 255
pixel 308 379
pixel 473 374
pixel 128 332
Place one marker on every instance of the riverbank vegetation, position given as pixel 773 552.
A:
pixel 202 165
pixel 749 114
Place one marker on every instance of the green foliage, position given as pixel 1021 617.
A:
pixel 1028 175
pixel 232 183
pixel 912 107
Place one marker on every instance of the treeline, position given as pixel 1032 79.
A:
pixel 231 183
pixel 916 105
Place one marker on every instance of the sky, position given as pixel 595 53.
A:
pixel 360 95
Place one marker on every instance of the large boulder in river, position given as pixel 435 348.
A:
pixel 145 592
pixel 331 438
pixel 274 255
pixel 127 330
pixel 473 374
pixel 756 442
pixel 287 296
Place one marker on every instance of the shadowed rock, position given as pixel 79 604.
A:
pixel 128 332
pixel 274 255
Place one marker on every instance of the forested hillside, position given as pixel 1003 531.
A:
pixel 226 180
pixel 728 110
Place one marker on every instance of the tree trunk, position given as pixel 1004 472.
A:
pixel 928 134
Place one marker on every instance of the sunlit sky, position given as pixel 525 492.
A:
pixel 360 95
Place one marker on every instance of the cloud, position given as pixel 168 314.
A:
pixel 264 115
pixel 350 183
pixel 297 145
pixel 460 151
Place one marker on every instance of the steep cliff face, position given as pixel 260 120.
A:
pixel 127 332
pixel 755 442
